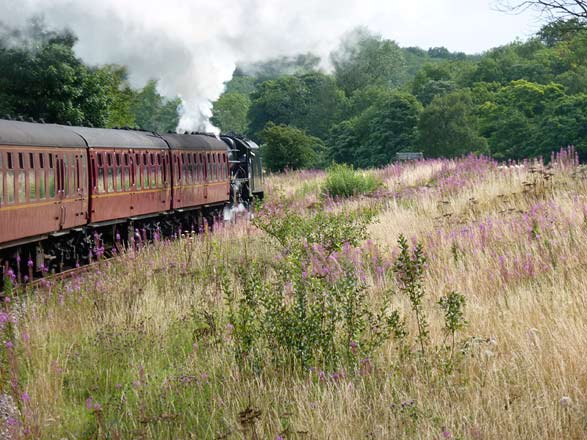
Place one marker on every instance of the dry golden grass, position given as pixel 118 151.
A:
pixel 133 326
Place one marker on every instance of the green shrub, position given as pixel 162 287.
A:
pixel 343 181
pixel 329 229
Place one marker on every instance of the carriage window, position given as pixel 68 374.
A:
pixel 100 162
pixel 110 178
pixel 32 178
pixel 9 184
pixel 72 181
pixel 190 168
pixel 20 161
pixel 42 176
pixel 137 166
pixel 220 167
pixel 154 181
pixel 145 172
pixel 51 177
pixel 126 178
pixel 77 174
pixel 109 158
pixel 120 179
pixel 159 176
pixel 159 171
pixel 100 179
pixel 65 175
pixel 21 186
pixel 164 166
pixel 1 181
pixel 226 166
pixel 125 159
pixel 117 159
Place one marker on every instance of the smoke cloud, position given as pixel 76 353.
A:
pixel 191 47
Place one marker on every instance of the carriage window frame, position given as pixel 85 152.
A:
pixel 32 178
pixel 51 189
pixel 1 178
pixel 20 180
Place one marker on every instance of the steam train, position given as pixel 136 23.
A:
pixel 66 190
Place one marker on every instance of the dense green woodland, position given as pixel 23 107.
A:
pixel 524 99
pixel 41 78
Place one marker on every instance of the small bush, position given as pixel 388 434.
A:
pixel 343 181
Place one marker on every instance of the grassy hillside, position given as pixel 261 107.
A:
pixel 314 322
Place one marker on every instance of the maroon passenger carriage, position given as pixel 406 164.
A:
pixel 64 190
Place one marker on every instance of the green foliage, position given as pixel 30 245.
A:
pixel 310 102
pixel 366 59
pixel 315 312
pixel 432 80
pixel 284 65
pixel 154 112
pixel 329 230
pixel 522 99
pixel 287 147
pixel 120 112
pixel 387 126
pixel 241 83
pixel 409 270
pixel 449 126
pixel 343 181
pixel 514 120
pixel 230 112
pixel 44 79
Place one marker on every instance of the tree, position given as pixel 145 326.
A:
pixel 449 126
pixel 432 80
pixel 285 65
pixel 563 123
pixel 391 126
pixel 559 31
pixel 511 121
pixel 311 102
pixel 42 78
pixel 381 130
pixel 366 59
pixel 120 112
pixel 230 112
pixel 555 9
pixel 343 142
pixel 154 112
pixel 287 147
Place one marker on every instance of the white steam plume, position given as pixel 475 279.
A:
pixel 192 47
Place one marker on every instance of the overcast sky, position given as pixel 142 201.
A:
pixel 460 25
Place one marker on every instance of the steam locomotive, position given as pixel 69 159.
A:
pixel 66 190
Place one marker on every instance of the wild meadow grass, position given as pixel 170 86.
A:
pixel 450 304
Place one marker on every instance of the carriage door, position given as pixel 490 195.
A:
pixel 79 187
pixel 60 187
pixel 164 175
pixel 206 173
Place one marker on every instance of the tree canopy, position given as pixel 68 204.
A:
pixel 525 98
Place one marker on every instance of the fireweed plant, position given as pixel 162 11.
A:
pixel 320 320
